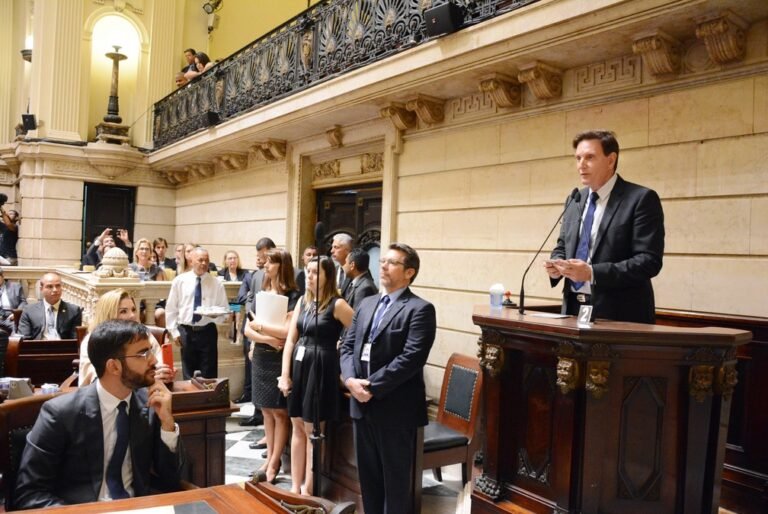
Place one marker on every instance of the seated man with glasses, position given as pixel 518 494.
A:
pixel 102 441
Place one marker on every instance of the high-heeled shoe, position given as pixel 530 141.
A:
pixel 274 478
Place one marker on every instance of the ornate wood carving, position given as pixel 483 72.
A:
pixel 488 487
pixel 429 109
pixel 567 374
pixel 724 35
pixel 401 118
pixel 543 80
pixel 504 89
pixel 659 50
pixel 489 352
pixel 700 381
pixel 727 378
pixel 598 373
pixel 334 136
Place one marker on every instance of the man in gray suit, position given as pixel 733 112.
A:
pixel 11 296
pixel 52 317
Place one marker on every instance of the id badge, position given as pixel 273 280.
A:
pixel 366 356
pixel 300 353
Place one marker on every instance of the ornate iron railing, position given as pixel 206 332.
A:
pixel 327 40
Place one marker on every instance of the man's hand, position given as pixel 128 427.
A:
pixel 549 267
pixel 358 387
pixel 177 341
pixel 122 234
pixel 163 372
pixel 160 401
pixel 574 269
pixel 104 234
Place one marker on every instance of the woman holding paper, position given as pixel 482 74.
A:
pixel 267 332
pixel 298 380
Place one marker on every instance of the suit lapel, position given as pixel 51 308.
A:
pixel 95 434
pixel 393 310
pixel 60 319
pixel 614 201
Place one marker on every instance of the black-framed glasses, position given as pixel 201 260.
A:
pixel 391 262
pixel 146 354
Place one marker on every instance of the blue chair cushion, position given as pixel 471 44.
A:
pixel 440 437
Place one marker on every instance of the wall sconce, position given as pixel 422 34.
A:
pixel 26 54
pixel 213 5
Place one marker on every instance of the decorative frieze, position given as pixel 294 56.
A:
pixel 476 104
pixel 372 163
pixel 200 170
pixel 543 80
pixel 659 50
pixel 429 109
pixel 231 162
pixel 329 169
pixel 724 35
pixel 504 89
pixel 401 118
pixel 610 74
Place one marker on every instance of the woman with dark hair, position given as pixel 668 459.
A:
pixel 310 370
pixel 267 341
pixel 202 64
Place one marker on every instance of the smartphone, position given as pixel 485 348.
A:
pixel 250 315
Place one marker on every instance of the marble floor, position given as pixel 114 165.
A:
pixel 443 497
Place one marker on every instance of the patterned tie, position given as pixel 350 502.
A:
pixel 50 327
pixel 381 309
pixel 115 467
pixel 198 300
pixel 582 251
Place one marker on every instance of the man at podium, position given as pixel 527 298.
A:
pixel 611 241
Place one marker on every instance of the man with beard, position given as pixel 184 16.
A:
pixel 100 442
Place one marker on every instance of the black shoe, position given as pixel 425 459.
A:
pixel 244 398
pixel 264 454
pixel 257 445
pixel 252 421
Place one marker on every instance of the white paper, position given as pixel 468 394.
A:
pixel 271 308
pixel 551 315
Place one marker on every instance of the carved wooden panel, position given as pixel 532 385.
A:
pixel 535 454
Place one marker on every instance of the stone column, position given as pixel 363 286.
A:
pixel 162 66
pixel 56 70
pixel 6 63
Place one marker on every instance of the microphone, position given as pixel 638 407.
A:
pixel 575 196
pixel 319 236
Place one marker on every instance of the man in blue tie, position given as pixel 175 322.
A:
pixel 382 363
pixel 612 241
pixel 102 441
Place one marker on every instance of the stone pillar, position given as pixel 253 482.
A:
pixel 6 63
pixel 162 66
pixel 56 70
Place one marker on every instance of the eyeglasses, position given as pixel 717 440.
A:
pixel 146 354
pixel 144 249
pixel 391 262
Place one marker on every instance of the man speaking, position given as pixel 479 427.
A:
pixel 612 241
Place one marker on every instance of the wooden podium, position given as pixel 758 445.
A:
pixel 611 418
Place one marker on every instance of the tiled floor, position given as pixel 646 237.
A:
pixel 437 497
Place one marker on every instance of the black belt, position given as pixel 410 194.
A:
pixel 195 328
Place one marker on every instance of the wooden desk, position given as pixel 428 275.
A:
pixel 615 418
pixel 224 499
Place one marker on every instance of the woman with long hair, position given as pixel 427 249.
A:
pixel 116 304
pixel 230 267
pixel 310 372
pixel 267 341
pixel 142 261
pixel 182 264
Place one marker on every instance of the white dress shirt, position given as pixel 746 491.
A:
pixel 5 302
pixel 181 300
pixel 108 405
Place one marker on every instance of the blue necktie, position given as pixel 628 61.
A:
pixel 198 301
pixel 115 467
pixel 582 251
pixel 383 302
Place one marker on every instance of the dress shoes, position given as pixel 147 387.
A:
pixel 257 445
pixel 244 398
pixel 256 419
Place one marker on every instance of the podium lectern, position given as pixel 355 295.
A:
pixel 612 419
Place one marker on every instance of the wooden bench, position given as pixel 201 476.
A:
pixel 42 361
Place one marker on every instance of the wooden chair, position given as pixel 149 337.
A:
pixel 16 420
pixel 281 500
pixel 451 438
pixel 41 360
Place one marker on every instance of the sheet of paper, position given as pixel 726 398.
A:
pixel 271 308
pixel 551 315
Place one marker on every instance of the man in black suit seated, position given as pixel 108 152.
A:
pixel 612 241
pixel 361 284
pixel 102 441
pixel 382 363
pixel 161 246
pixel 52 317
pixel 11 296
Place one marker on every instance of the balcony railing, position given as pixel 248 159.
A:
pixel 327 40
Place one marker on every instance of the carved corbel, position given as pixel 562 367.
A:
pixel 270 150
pixel 727 378
pixel 230 162
pixel 401 118
pixel 200 170
pixel 700 380
pixel 505 90
pixel 175 177
pixel 334 136
pixel 659 50
pixel 567 374
pixel 429 109
pixel 545 81
pixel 724 35
pixel 598 373
pixel 491 355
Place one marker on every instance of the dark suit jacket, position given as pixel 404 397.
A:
pixel 398 356
pixel 169 263
pixel 15 295
pixel 241 274
pixel 63 461
pixel 32 323
pixel 362 288
pixel 628 252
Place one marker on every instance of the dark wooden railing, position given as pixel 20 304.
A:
pixel 327 40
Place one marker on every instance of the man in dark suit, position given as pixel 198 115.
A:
pixel 340 248
pixel 361 284
pixel 382 363
pixel 612 241
pixel 100 442
pixel 310 252
pixel 11 296
pixel 161 246
pixel 52 317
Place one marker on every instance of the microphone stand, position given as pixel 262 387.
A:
pixel 575 195
pixel 317 436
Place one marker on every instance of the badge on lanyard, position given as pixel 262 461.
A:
pixel 300 353
pixel 366 356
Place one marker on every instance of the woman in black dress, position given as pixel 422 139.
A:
pixel 303 356
pixel 267 341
